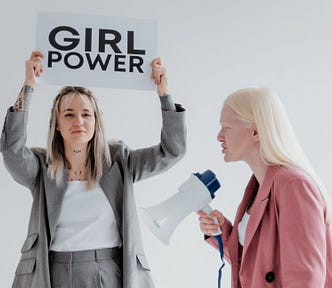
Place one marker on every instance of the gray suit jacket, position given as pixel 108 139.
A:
pixel 29 168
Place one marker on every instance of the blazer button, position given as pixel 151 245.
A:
pixel 269 277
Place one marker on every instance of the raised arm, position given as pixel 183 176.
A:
pixel 33 69
pixel 159 76
pixel 152 160
pixel 19 160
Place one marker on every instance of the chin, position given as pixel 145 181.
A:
pixel 227 159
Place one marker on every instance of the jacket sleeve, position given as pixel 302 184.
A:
pixel 19 160
pixel 302 232
pixel 147 162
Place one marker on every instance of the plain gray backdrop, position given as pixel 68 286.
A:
pixel 210 49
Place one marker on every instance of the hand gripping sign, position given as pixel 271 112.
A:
pixel 88 50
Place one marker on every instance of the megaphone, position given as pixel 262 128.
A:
pixel 193 195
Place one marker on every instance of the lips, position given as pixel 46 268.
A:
pixel 77 132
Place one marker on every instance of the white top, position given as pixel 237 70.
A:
pixel 243 227
pixel 86 220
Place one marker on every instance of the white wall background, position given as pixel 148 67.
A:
pixel 210 49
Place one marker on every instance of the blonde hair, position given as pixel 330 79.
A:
pixel 97 152
pixel 278 143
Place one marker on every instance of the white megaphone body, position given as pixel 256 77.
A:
pixel 195 194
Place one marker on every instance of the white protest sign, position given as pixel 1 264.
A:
pixel 91 50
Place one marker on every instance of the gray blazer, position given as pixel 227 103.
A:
pixel 28 167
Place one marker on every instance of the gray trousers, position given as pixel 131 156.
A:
pixel 86 269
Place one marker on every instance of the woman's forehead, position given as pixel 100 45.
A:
pixel 76 101
pixel 227 113
pixel 229 116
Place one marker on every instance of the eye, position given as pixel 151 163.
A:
pixel 69 115
pixel 86 115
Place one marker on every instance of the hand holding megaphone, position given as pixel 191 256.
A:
pixel 210 221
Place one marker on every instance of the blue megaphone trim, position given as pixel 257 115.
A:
pixel 209 180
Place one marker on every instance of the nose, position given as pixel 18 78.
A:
pixel 78 120
pixel 220 136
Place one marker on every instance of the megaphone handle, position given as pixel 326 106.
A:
pixel 207 209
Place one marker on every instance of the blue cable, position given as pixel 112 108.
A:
pixel 221 250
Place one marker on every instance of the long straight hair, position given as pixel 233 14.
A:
pixel 97 151
pixel 278 143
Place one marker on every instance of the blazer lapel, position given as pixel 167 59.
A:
pixel 250 190
pixel 112 184
pixel 54 196
pixel 235 249
pixel 259 207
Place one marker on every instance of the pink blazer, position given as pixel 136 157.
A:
pixel 287 242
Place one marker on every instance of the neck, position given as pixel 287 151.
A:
pixel 259 170
pixel 257 165
pixel 76 157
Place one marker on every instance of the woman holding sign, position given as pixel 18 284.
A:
pixel 281 236
pixel 83 229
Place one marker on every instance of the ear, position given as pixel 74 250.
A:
pixel 255 134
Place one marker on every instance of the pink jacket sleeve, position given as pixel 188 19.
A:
pixel 302 233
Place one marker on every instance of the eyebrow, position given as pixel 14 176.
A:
pixel 70 109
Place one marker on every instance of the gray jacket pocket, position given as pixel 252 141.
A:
pixel 27 263
pixel 29 242
pixel 143 261
pixel 26 266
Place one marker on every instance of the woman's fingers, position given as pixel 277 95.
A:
pixel 159 76
pixel 33 67
pixel 36 54
pixel 158 72
pixel 207 224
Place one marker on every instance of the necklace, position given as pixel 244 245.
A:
pixel 75 175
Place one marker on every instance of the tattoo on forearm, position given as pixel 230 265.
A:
pixel 23 99
pixel 18 106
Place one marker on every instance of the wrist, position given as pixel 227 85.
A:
pixel 28 89
pixel 221 220
pixel 163 93
pixel 167 103
pixel 28 83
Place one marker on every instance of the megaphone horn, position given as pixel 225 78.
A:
pixel 193 195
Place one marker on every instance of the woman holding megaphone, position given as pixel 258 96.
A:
pixel 281 235
pixel 83 229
